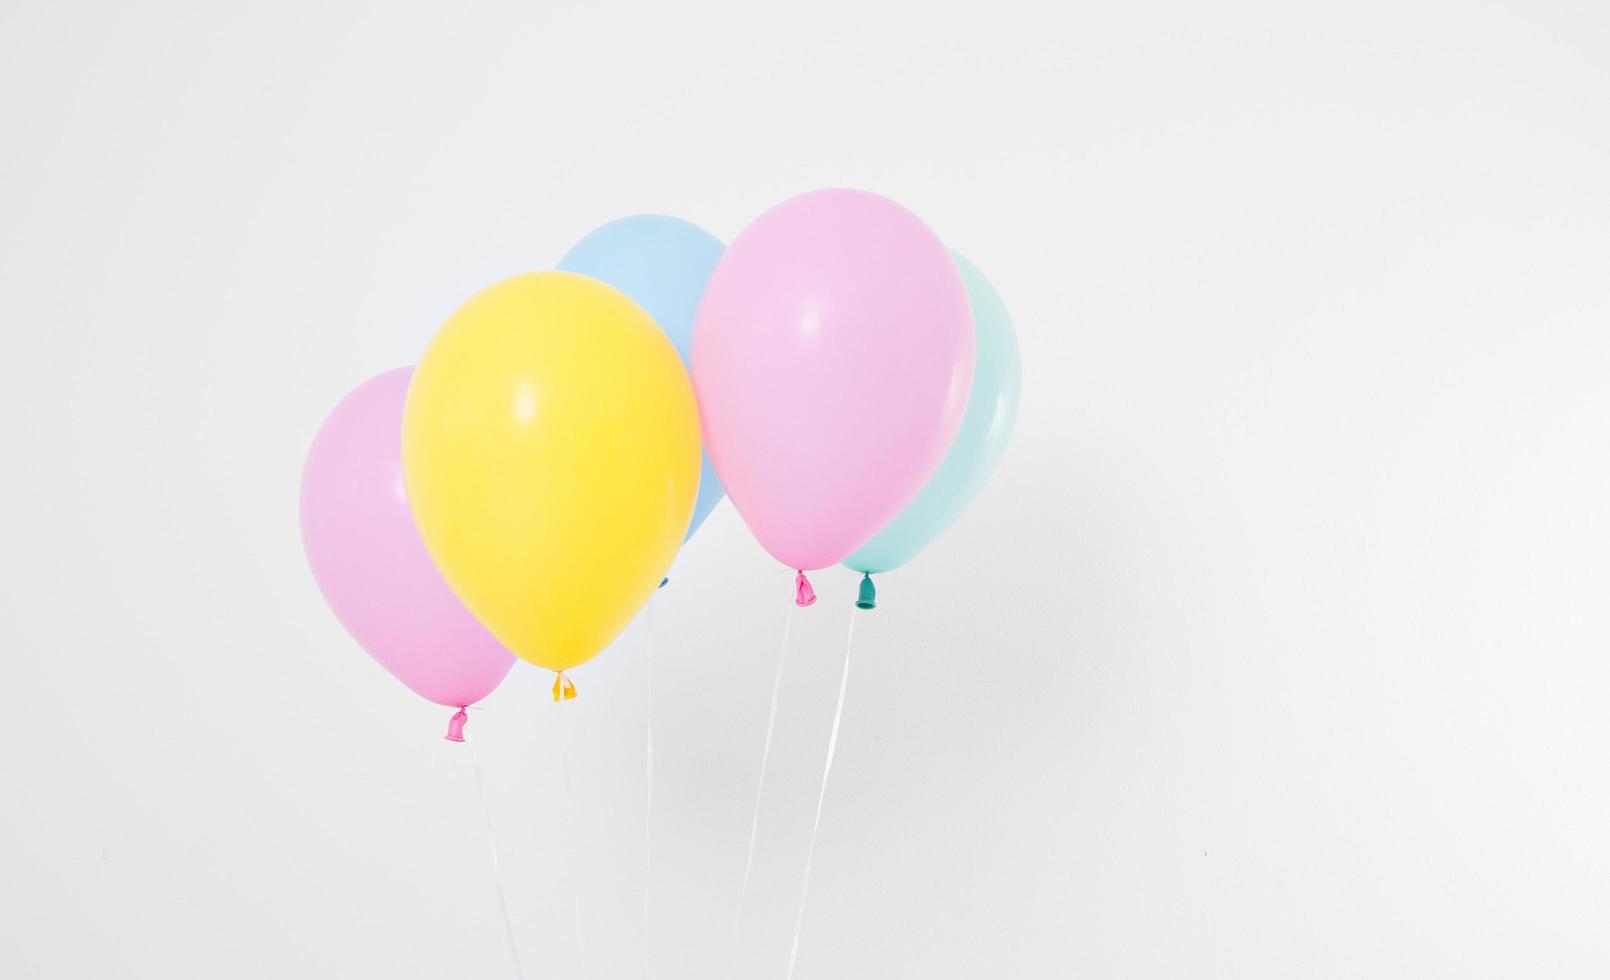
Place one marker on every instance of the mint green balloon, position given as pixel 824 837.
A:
pixel 985 430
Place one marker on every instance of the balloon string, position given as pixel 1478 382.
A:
pixel 648 766
pixel 575 854
pixel 760 789
pixel 827 766
pixel 497 867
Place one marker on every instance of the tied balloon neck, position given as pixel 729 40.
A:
pixel 804 595
pixel 867 598
pixel 455 726
pixel 563 688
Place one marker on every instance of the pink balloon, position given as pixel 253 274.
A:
pixel 832 358
pixel 370 564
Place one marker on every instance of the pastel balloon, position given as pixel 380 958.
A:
pixel 551 453
pixel 985 430
pixel 832 356
pixel 369 562
pixel 662 263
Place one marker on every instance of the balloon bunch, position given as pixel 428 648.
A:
pixel 851 382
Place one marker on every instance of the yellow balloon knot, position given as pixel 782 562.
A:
pixel 563 688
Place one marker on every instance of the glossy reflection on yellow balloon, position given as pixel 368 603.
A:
pixel 551 455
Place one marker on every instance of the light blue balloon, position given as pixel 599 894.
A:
pixel 986 427
pixel 662 263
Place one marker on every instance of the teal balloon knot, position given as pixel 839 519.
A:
pixel 664 582
pixel 868 597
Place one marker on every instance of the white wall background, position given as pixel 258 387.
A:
pixel 1278 648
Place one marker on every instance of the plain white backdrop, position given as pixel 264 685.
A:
pixel 1278 648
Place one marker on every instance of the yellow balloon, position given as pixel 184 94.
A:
pixel 551 459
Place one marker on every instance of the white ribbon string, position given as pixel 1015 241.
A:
pixel 497 867
pixel 648 765
pixel 827 766
pixel 765 757
pixel 574 851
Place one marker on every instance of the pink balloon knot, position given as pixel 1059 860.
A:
pixel 804 595
pixel 455 726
